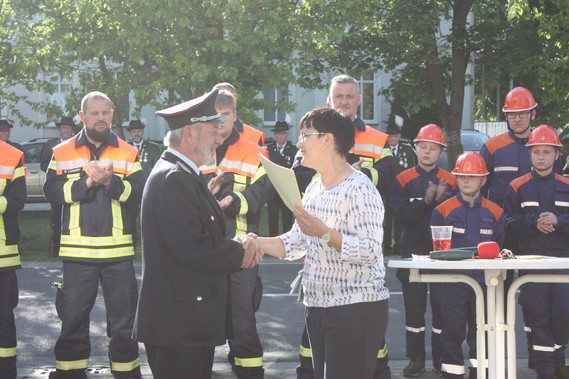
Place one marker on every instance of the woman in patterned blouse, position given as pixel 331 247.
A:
pixel 338 230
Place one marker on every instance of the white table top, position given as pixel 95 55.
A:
pixel 521 263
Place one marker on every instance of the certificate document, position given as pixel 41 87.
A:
pixel 284 181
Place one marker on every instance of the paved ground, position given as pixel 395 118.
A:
pixel 274 370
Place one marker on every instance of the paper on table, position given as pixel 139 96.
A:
pixel 284 181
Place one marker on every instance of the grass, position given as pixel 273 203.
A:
pixel 34 235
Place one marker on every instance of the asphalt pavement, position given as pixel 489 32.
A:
pixel 273 370
pixel 279 320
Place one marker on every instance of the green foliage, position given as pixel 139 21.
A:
pixel 165 52
pixel 425 45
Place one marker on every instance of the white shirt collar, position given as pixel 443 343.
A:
pixel 185 159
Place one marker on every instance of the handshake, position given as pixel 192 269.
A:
pixel 253 254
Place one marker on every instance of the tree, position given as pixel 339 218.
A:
pixel 165 52
pixel 418 42
pixel 15 69
pixel 547 63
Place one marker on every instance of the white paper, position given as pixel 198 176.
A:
pixel 284 181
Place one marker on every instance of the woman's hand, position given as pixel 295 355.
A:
pixel 308 223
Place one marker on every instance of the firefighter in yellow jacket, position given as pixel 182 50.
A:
pixel 97 179
pixel 12 200
pixel 242 194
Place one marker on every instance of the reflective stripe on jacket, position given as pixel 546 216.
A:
pixel 245 180
pixel 12 200
pixel 97 223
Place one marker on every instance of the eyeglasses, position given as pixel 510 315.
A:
pixel 303 135
pixel 513 115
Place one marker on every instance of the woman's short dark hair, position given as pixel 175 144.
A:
pixel 328 120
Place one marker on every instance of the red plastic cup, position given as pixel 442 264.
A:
pixel 442 236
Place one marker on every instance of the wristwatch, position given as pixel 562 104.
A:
pixel 326 237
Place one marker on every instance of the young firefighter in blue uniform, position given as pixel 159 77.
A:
pixel 507 158
pixel 474 219
pixel 537 209
pixel 414 195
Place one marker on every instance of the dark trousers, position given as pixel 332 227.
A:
pixel 8 301
pixel 459 318
pixel 391 232
pixel 180 363
pixel 55 231
pixel 345 340
pixel 415 301
pixel 545 307
pixel 306 371
pixel 80 286
pixel 245 349
pixel 274 206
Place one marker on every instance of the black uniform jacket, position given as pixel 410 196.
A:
pixel 186 261
pixel 149 155
pixel 47 153
pixel 286 159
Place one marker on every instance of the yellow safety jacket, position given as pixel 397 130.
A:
pixel 370 146
pixel 12 200
pixel 250 133
pixel 245 180
pixel 97 223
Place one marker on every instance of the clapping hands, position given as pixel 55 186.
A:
pixel 253 254
pixel 98 174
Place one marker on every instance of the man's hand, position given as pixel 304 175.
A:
pixel 357 165
pixel 226 201
pixel 215 183
pixel 253 255
pixel 98 175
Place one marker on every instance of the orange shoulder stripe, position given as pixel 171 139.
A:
pixel 518 182
pixel 407 176
pixel 494 208
pixel 498 142
pixel 448 206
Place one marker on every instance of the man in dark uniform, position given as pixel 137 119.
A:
pixel 5 129
pixel 12 200
pixel 183 310
pixel 66 130
pixel 281 152
pixel 149 151
pixel 405 158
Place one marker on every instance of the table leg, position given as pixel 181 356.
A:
pixel 495 320
pixel 511 313
pixel 416 277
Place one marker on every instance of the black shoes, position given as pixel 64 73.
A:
pixel 415 367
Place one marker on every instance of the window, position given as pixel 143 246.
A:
pixel 32 152
pixel 62 88
pixel 367 107
pixel 275 97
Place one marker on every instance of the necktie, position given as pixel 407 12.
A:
pixel 394 150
